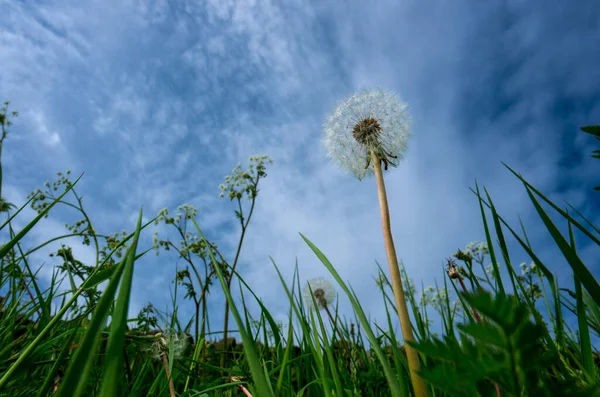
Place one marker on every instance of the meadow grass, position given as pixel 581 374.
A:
pixel 77 340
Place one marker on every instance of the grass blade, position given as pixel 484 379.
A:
pixel 395 388
pixel 80 365
pixel 488 238
pixel 579 268
pixel 116 339
pixel 557 208
pixel 249 347
pixel 5 249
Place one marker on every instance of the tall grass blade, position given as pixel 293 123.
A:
pixel 116 340
pixel 555 207
pixel 579 268
pixel 585 342
pixel 258 375
pixel 395 388
pixel 490 243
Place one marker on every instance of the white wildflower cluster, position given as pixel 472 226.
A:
pixel 426 296
pixel 388 136
pixel 323 292
pixel 437 299
pixel 189 212
pixel 184 212
pixel 478 250
pixel 489 270
pixel 408 285
pixel 162 215
pixel 525 270
pixel 244 182
pixel 189 240
pixel 381 280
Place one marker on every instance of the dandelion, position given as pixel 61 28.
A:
pixel 162 343
pixel 323 292
pixel 161 347
pixel 367 130
pixel 369 121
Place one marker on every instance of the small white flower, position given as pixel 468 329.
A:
pixel 489 269
pixel 369 121
pixel 471 246
pixel 524 268
pixel 427 296
pixel 322 290
pixel 483 248
pixel 381 280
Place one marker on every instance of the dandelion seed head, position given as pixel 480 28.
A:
pixel 368 121
pixel 322 290
pixel 162 343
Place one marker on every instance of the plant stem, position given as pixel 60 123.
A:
pixel 412 355
pixel 171 385
pixel 235 262
pixel 478 319
pixel 462 284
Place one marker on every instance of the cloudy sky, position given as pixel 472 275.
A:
pixel 157 101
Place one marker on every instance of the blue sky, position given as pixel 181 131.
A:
pixel 157 101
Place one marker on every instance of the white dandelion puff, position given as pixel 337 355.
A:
pixel 369 121
pixel 323 292
pixel 162 343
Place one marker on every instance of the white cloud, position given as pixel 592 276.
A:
pixel 47 137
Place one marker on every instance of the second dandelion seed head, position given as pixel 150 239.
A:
pixel 322 291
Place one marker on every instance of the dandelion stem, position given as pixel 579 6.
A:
pixel 412 355
pixel 166 365
pixel 241 387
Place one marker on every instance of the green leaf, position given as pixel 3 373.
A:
pixel 557 208
pixel 114 351
pixel 579 268
pixel 489 241
pixel 57 364
pixel 592 129
pixel 80 365
pixel 99 277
